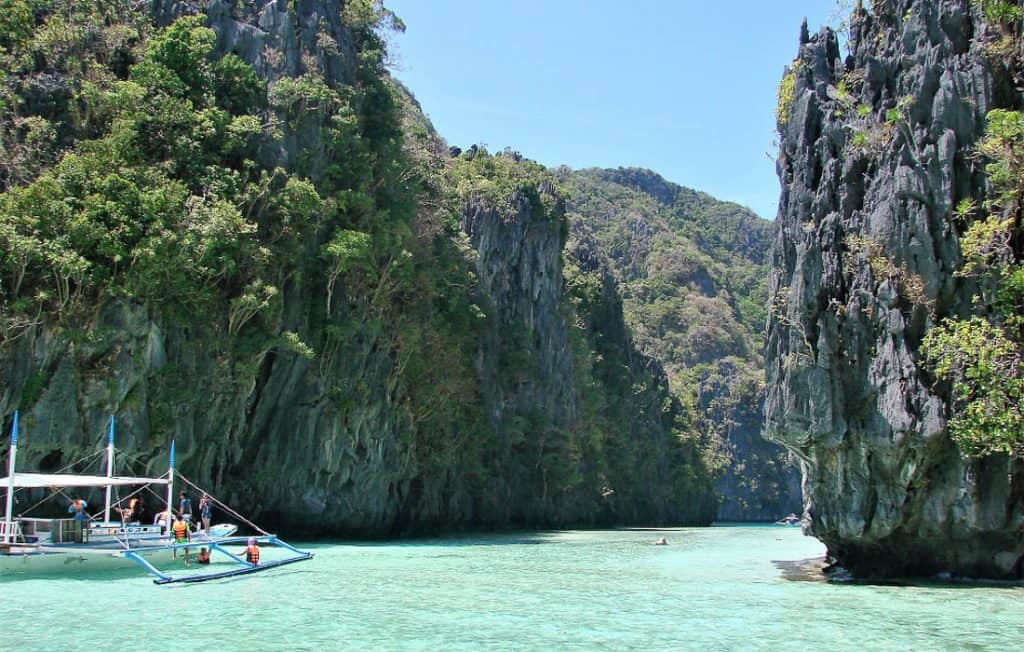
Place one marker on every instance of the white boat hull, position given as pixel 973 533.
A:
pixel 106 556
pixel 77 561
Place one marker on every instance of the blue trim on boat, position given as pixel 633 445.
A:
pixel 145 564
pixel 252 568
pixel 238 559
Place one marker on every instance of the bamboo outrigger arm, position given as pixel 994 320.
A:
pixel 244 567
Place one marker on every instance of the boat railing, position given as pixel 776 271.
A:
pixel 33 529
pixel 35 525
pixel 11 532
pixel 66 530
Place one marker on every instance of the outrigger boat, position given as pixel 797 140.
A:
pixel 31 546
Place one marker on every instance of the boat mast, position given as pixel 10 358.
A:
pixel 8 533
pixel 110 470
pixel 170 488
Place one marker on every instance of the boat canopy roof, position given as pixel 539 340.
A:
pixel 65 480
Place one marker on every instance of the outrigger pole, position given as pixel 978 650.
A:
pixel 170 488
pixel 110 469
pixel 8 527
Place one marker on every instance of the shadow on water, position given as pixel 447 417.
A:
pixel 748 525
pixel 452 540
pixel 650 529
pixel 813 570
pixel 956 583
pixel 802 570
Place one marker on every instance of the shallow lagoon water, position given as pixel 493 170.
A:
pixel 720 588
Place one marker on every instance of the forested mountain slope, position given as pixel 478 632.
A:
pixel 692 273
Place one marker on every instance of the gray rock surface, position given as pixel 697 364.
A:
pixel 648 443
pixel 519 266
pixel 758 483
pixel 875 154
pixel 329 444
pixel 679 260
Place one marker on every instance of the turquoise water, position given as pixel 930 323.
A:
pixel 721 588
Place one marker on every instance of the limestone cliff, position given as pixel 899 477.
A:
pixel 876 151
pixel 691 271
pixel 623 390
pixel 412 367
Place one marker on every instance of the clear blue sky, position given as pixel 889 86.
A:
pixel 683 87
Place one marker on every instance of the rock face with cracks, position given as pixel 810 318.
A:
pixel 333 443
pixel 876 152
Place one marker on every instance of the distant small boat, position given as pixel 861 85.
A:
pixel 31 546
pixel 792 519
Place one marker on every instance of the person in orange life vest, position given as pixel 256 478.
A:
pixel 204 556
pixel 181 533
pixel 252 552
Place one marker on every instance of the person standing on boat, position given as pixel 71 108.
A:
pixel 185 507
pixel 182 534
pixel 162 519
pixel 77 509
pixel 135 509
pixel 132 513
pixel 205 509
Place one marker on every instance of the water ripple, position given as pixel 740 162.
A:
pixel 710 589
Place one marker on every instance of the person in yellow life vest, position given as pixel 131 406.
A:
pixel 181 534
pixel 252 552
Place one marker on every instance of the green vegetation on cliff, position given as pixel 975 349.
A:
pixel 159 190
pixel 234 229
pixel 692 268
pixel 983 355
pixel 692 274
pixel 868 307
pixel 152 206
pixel 618 418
